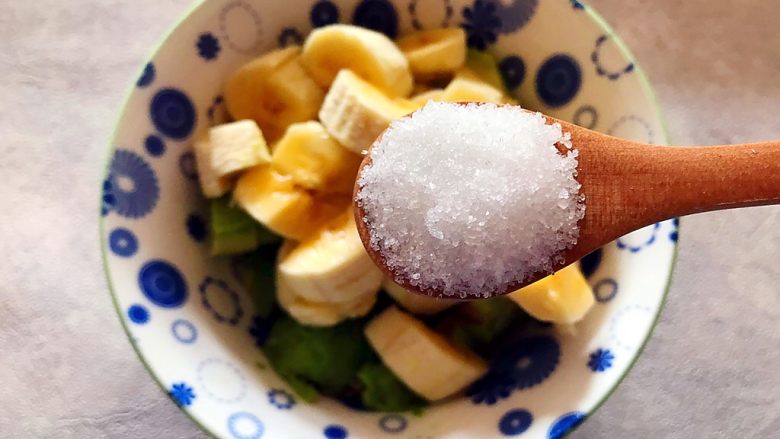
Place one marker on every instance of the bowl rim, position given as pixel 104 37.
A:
pixel 191 9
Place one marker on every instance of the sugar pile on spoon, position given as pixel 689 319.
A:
pixel 470 199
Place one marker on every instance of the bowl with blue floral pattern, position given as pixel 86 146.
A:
pixel 195 327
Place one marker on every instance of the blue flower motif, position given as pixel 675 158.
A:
pixel 393 423
pixel 187 165
pixel 182 394
pixel 600 360
pixel 591 262
pixel 379 15
pixel 107 198
pixel 173 113
pixel 516 14
pixel 138 314
pixel 492 387
pixel 289 36
pixel 259 329
pixel 163 284
pixel 515 422
pixel 576 4
pixel 335 431
pixel 281 399
pixel 154 145
pixel 208 46
pixel 600 69
pixel 481 23
pixel 123 242
pixel 196 227
pixel 558 80
pixel 605 290
pixel 635 248
pixel 212 284
pixel 245 425
pixel 323 13
pixel 565 424
pixel 147 76
pixel 132 190
pixel 512 71
pixel 184 331
pixel 534 360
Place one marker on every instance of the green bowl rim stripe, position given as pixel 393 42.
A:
pixel 598 19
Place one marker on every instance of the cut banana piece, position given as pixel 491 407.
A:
pixel 312 313
pixel 211 184
pixel 315 160
pixel 416 303
pixel 237 146
pixel 274 91
pixel 430 95
pixel 371 55
pixel 423 359
pixel 434 52
pixel 470 88
pixel 331 266
pixel 563 298
pixel 355 112
pixel 282 206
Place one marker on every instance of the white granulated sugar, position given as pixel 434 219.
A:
pixel 467 200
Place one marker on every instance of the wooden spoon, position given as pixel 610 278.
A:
pixel 629 185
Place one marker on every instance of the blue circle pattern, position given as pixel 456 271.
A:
pixel 600 360
pixel 565 424
pixel 515 422
pixel 281 399
pixel 558 80
pixel 182 394
pixel 107 198
pixel 147 76
pixel 512 70
pixel 637 248
pixel 173 113
pixel 335 432
pixel 154 145
pixel 393 423
pixel 143 196
pixel 178 329
pixel 187 165
pixel 516 14
pixel 378 15
pixel 233 428
pixel 673 235
pixel 576 4
pixel 196 227
pixel 323 13
pixel 289 36
pixel 138 314
pixel 163 284
pixel 208 46
pixel 222 286
pixel 605 290
pixel 481 23
pixel 586 117
pixel 600 70
pixel 123 242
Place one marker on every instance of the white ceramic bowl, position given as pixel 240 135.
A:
pixel 186 314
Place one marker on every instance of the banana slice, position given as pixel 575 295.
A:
pixel 312 313
pixel 434 52
pixel 211 184
pixel 331 266
pixel 355 112
pixel 315 160
pixel 237 146
pixel 424 360
pixel 416 303
pixel 281 205
pixel 421 99
pixel 467 87
pixel 370 54
pixel 563 298
pixel 274 91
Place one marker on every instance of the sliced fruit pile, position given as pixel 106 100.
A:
pixel 280 179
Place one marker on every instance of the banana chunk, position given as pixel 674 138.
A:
pixel 276 201
pixel 434 52
pixel 355 112
pixel 331 266
pixel 211 184
pixel 467 87
pixel 315 160
pixel 416 303
pixel 371 55
pixel 423 359
pixel 237 146
pixel 274 91
pixel 563 298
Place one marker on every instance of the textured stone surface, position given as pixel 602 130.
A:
pixel 67 370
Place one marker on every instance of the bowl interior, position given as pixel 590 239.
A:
pixel 186 313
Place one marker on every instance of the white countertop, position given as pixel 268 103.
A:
pixel 712 369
